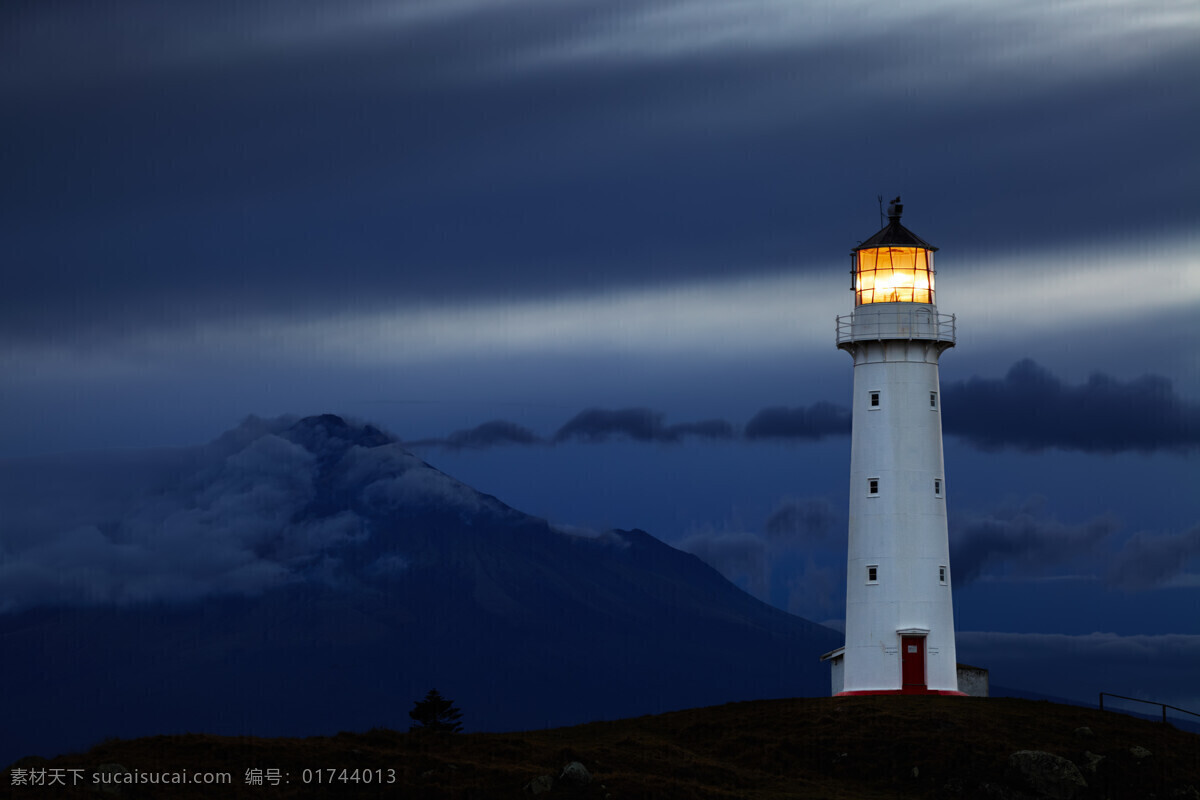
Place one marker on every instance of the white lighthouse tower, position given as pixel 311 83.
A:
pixel 899 617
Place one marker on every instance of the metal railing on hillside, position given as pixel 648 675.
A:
pixel 1147 702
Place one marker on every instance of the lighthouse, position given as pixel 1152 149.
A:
pixel 899 616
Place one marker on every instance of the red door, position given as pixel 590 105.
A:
pixel 912 661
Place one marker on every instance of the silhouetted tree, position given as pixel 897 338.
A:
pixel 435 713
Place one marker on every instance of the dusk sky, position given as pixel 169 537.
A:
pixel 587 257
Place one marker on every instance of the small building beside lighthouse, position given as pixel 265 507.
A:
pixel 899 615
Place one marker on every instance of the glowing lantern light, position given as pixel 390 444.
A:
pixel 893 266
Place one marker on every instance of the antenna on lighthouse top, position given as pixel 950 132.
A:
pixel 879 197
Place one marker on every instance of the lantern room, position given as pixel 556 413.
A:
pixel 893 266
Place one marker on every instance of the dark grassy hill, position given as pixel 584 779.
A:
pixel 860 747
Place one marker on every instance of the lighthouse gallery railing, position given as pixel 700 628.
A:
pixel 875 322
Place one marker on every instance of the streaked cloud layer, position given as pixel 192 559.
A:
pixel 380 168
pixel 1047 294
pixel 1010 34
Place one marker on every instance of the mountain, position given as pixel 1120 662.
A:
pixel 304 577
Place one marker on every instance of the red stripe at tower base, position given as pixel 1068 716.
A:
pixel 946 692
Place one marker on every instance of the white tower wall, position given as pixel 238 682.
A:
pixel 899 529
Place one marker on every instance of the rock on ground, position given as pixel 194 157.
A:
pixel 540 785
pixel 575 774
pixel 1047 775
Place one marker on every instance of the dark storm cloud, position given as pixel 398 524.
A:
pixel 596 425
pixel 741 557
pixel 816 421
pixel 593 425
pixel 1031 409
pixel 788 566
pixel 1026 540
pixel 1153 559
pixel 799 535
pixel 489 434
pixel 810 519
pixel 814 591
pixel 704 429
pixel 166 166
pixel 639 424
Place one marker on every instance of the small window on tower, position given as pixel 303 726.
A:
pixel 937 487
pixel 873 574
pixel 942 575
pixel 874 399
pixel 933 400
pixel 873 486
